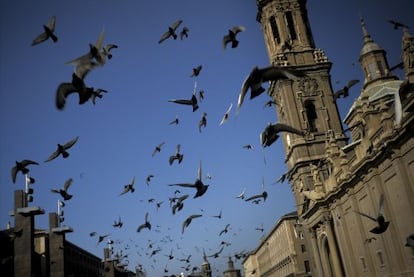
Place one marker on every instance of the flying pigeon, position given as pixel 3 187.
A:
pixel 216 255
pixel 76 86
pixel 271 133
pixel 177 156
pixel 226 115
pixel 191 102
pixel 175 121
pixel 148 179
pixel 248 147
pixel 179 203
pixel 171 31
pixel 102 237
pixel 64 192
pixel 344 92
pixel 184 33
pixel 219 215
pixel 269 103
pixel 231 36
pixel 188 220
pixel 118 223
pixel 146 224
pixel 129 187
pixel 48 32
pixel 196 71
pixel 157 148
pixel 198 184
pixel 95 53
pixel 22 167
pixel 62 150
pixel 225 230
pixel 398 25
pixel 382 225
pixel 257 196
pixel 258 76
pixel 202 122
pixel 242 194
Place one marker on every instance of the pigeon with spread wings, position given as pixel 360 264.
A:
pixel 198 184
pixel 191 102
pixel 62 150
pixel 231 37
pixel 48 32
pixel 188 221
pixel 226 115
pixel 382 225
pixel 171 31
pixel 177 156
pixel 129 187
pixel 144 225
pixel 64 192
pixel 271 133
pixel 344 92
pixel 257 77
pixel 22 167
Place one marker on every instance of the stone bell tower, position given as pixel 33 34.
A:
pixel 306 104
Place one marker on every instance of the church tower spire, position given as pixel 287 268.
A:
pixel 373 61
pixel 306 104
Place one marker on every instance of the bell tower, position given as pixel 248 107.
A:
pixel 306 104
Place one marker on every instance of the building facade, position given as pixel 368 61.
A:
pixel 337 180
pixel 282 252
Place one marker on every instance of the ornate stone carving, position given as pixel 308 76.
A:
pixel 319 56
pixel 308 87
pixel 408 50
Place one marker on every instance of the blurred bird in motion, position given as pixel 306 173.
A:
pixel 144 225
pixel 257 77
pixel 198 184
pixel 231 37
pixel 177 156
pixel 382 225
pixel 188 221
pixel 271 133
pixel 129 187
pixel 344 92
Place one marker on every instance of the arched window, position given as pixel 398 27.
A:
pixel 311 115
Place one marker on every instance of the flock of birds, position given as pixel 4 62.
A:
pixel 97 56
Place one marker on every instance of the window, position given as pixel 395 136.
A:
pixel 307 267
pixel 311 115
pixel 275 30
pixel 291 25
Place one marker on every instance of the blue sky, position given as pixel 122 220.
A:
pixel 118 135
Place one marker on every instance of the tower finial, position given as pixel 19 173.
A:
pixel 366 36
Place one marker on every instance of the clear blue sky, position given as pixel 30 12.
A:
pixel 117 135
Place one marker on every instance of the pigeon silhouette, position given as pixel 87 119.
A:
pixel 106 51
pixel 157 148
pixel 344 92
pixel 76 86
pixel 148 179
pixel 226 115
pixel 179 203
pixel 242 194
pixel 146 224
pixel 118 224
pixel 129 187
pixel 48 32
pixel 258 76
pixel 216 254
pixel 62 150
pixel 22 167
pixel 257 196
pixel 225 230
pixel 64 192
pixel 248 147
pixel 177 156
pixel 202 122
pixel 102 237
pixel 196 71
pixel 188 221
pixel 397 25
pixel 175 121
pixel 171 31
pixel 184 33
pixel 219 215
pixel 198 184
pixel 191 102
pixel 271 133
pixel 382 225
pixel 231 37
pixel 269 103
